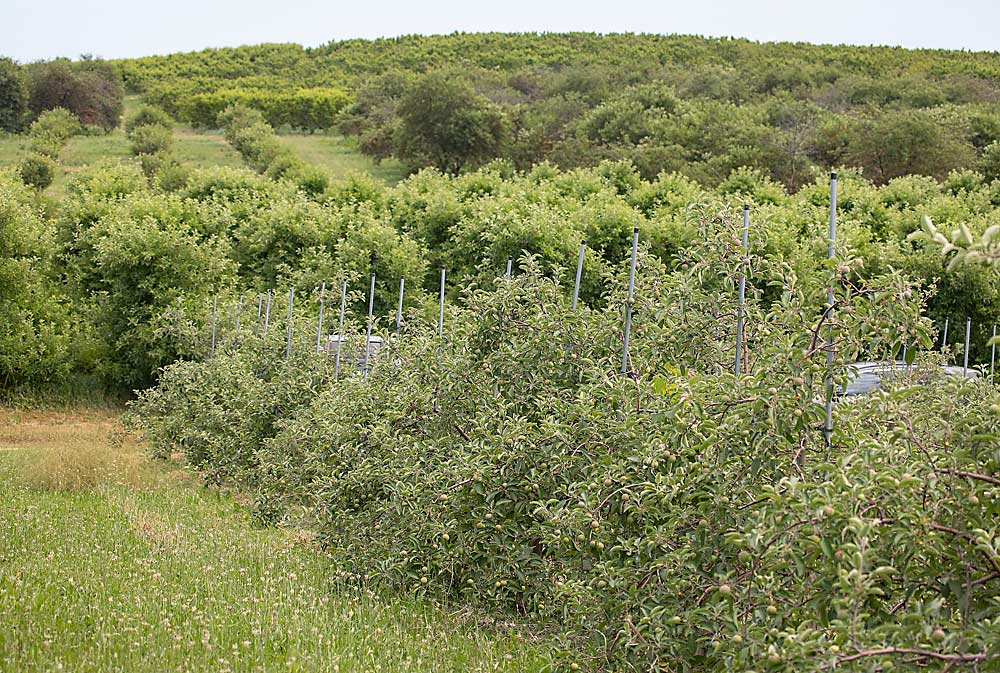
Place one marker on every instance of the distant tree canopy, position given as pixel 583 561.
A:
pixel 698 106
pixel 13 96
pixel 444 123
pixel 91 89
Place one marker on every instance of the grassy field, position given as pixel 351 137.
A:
pixel 340 156
pixel 201 148
pixel 109 562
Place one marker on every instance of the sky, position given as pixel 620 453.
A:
pixel 43 29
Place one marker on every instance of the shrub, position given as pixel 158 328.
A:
pixel 145 269
pixel 48 134
pixel 37 336
pixel 37 170
pixel 148 115
pixel 56 122
pixel 151 140
pixel 990 161
pixel 236 117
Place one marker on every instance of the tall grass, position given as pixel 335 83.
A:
pixel 110 563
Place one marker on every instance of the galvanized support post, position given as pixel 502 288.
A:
pixel 215 303
pixel 965 361
pixel 288 338
pixel 509 263
pixel 441 307
pixel 368 333
pixel 630 299
pixel 944 337
pixel 267 313
pixel 579 273
pixel 993 351
pixel 340 330
pixel 741 296
pixel 260 307
pixel 319 321
pixel 399 308
pixel 239 309
pixel 831 299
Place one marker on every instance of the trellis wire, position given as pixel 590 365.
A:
pixel 368 333
pixel 828 420
pixel 628 301
pixel 340 330
pixel 215 302
pixel 319 321
pixel 399 308
pixel 742 291
pixel 288 338
pixel 579 273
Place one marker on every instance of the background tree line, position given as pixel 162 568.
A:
pixel 700 106
pixel 89 88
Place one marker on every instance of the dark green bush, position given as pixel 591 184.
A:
pixel 37 170
pixel 13 96
pixel 90 88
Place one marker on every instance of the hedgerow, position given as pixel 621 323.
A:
pixel 674 518
pixel 261 148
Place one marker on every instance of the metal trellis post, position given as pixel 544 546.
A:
pixel 629 300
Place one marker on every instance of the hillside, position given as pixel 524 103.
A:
pixel 703 107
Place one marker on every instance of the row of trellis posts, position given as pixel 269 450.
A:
pixel 264 301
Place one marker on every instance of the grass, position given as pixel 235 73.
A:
pixel 119 564
pixel 200 148
pixel 10 149
pixel 340 156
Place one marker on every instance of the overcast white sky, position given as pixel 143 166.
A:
pixel 44 29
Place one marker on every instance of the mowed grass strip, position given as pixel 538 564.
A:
pixel 135 567
pixel 339 155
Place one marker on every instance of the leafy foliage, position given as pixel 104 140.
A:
pixel 703 107
pixel 91 89
pixel 13 96
pixel 151 139
pixel 148 115
pixel 37 170
pixel 36 336
pixel 715 531
pixel 50 131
